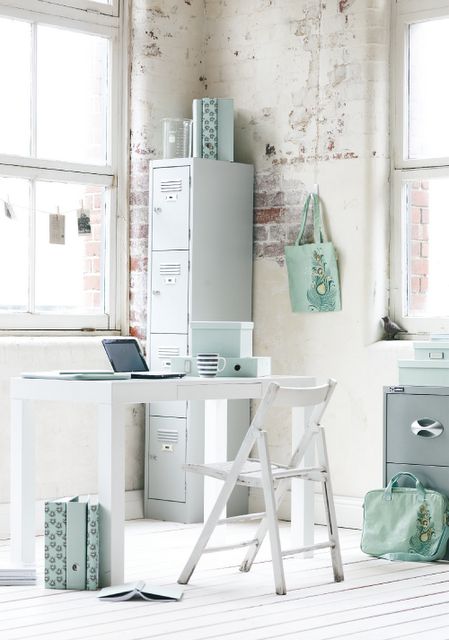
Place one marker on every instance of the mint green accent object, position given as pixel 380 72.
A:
pixel 93 545
pixel 217 125
pixel 424 373
pixel 209 128
pixel 435 350
pixel 312 268
pixel 229 339
pixel 405 523
pixel 55 530
pixel 76 544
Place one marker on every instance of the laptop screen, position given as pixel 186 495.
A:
pixel 125 355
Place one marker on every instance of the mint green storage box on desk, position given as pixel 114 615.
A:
pixel 229 339
pixel 424 373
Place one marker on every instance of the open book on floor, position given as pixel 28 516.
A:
pixel 141 590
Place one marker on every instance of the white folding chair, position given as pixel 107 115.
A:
pixel 274 480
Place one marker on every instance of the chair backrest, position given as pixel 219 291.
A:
pixel 277 395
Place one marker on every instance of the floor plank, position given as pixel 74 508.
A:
pixel 378 599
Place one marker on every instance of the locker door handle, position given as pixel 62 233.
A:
pixel 157 209
pixel 426 428
pixel 156 292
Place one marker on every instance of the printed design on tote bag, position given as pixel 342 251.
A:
pixel 421 540
pixel 322 292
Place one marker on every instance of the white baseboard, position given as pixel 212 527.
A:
pixel 133 511
pixel 349 510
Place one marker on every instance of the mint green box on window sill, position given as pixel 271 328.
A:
pixel 424 372
pixel 431 350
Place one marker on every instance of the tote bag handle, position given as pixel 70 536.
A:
pixel 319 235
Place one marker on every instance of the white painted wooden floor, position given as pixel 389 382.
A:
pixel 377 600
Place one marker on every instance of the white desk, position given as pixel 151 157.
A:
pixel 111 398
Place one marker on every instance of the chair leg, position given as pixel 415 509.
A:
pixel 271 511
pixel 262 529
pixel 281 490
pixel 329 507
pixel 221 502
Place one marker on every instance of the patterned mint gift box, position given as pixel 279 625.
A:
pixel 210 128
pixel 213 128
pixel 55 532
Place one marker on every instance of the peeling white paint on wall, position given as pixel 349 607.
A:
pixel 310 83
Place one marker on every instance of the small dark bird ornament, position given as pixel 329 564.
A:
pixel 391 328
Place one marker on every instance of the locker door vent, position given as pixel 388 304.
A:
pixel 168 352
pixel 171 185
pixel 170 269
pixel 167 435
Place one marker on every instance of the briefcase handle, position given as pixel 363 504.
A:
pixel 388 493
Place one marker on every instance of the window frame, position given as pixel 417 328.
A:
pixel 404 169
pixel 112 174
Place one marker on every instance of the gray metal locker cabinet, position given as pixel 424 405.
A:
pixel 416 435
pixel 200 268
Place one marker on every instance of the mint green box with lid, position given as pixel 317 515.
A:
pixel 229 339
pixel 431 350
pixel 424 372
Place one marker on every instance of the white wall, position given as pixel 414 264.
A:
pixel 66 435
pixel 310 81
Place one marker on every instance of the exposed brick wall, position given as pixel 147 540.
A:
pixel 309 80
pixel 92 201
pixel 419 258
pixel 166 62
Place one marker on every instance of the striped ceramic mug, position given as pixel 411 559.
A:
pixel 209 364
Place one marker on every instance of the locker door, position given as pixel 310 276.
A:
pixel 167 454
pixel 169 292
pixel 162 349
pixel 170 213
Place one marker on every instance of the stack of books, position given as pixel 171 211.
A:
pixel 17 575
pixel 72 544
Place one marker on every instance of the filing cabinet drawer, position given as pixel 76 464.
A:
pixel 167 454
pixel 170 215
pixel 431 477
pixel 417 429
pixel 169 292
pixel 164 347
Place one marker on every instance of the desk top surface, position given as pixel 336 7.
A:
pixel 141 391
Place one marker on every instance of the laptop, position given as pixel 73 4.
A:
pixel 125 356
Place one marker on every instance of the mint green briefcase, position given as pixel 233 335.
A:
pixel 405 523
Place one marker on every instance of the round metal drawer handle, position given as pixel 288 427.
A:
pixel 426 428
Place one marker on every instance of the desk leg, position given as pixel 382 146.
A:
pixel 302 500
pixel 111 492
pixel 22 482
pixel 215 447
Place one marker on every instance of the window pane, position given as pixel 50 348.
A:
pixel 428 90
pixel 428 256
pixel 14 244
pixel 72 95
pixel 15 82
pixel 70 248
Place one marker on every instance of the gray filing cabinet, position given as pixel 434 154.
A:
pixel 200 268
pixel 416 423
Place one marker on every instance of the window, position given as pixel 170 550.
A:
pixel 59 169
pixel 420 159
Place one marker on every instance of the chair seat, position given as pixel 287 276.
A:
pixel 251 474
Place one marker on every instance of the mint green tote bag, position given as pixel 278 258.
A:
pixel 405 523
pixel 312 268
